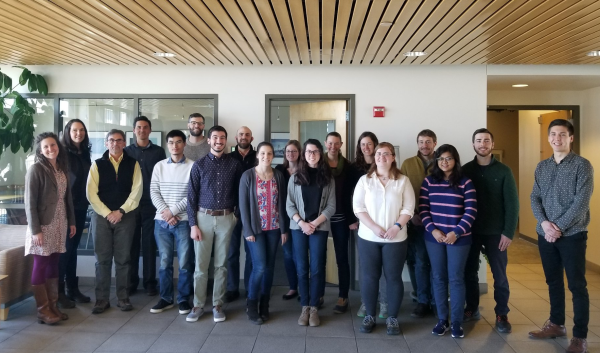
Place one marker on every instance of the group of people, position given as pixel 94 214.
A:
pixel 432 213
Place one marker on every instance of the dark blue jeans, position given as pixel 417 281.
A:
pixel 67 265
pixel 263 251
pixel 233 260
pixel 420 261
pixel 448 267
pixel 372 257
pixel 289 261
pixel 341 236
pixel 488 244
pixel 567 256
pixel 167 240
pixel 311 274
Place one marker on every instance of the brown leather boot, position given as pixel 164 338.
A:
pixel 52 292
pixel 44 313
pixel 549 330
pixel 577 345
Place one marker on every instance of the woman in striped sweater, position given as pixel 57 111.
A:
pixel 448 206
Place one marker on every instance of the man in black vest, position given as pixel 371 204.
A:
pixel 114 189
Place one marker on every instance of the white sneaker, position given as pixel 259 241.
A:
pixel 195 314
pixel 218 314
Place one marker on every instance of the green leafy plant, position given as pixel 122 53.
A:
pixel 16 121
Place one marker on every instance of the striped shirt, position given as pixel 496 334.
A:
pixel 169 186
pixel 448 209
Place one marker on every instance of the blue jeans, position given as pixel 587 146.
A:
pixel 233 260
pixel 315 245
pixel 262 252
pixel 420 263
pixel 448 267
pixel 341 235
pixel 167 239
pixel 289 261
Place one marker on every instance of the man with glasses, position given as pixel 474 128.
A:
pixel 416 169
pixel 197 145
pixel 114 189
pixel 147 154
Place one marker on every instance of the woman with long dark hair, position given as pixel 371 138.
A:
pixel 448 207
pixel 384 201
pixel 49 210
pixel 310 205
pixel 265 224
pixel 76 142
pixel 289 167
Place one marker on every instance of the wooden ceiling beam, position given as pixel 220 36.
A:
pixel 358 18
pixel 297 11
pixel 264 41
pixel 327 22
pixel 372 23
pixel 341 28
pixel 377 43
pixel 285 23
pixel 268 18
pixel 313 15
pixel 403 19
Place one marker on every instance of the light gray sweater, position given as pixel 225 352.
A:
pixel 295 203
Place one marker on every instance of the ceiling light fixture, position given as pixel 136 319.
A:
pixel 415 53
pixel 385 24
pixel 164 55
pixel 594 53
pixel 518 85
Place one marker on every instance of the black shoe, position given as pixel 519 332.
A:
pixel 420 311
pixel 252 312
pixel 502 324
pixel 64 301
pixel 151 292
pixel 263 308
pixel 125 305
pixel 184 308
pixel 368 324
pixel 231 296
pixel 290 296
pixel 74 294
pixel 161 306
pixel 100 306
pixel 341 306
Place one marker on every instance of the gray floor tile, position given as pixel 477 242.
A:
pixel 481 331
pixel 330 344
pixel 231 344
pixel 531 304
pixel 126 342
pixel 469 345
pixel 78 342
pixel 6 333
pixel 96 323
pixel 30 340
pixel 179 326
pixel 178 343
pixel 239 326
pixel 542 346
pixel 282 328
pixel 519 333
pixel 369 345
pixel 9 350
pixel 277 344
pixel 444 344
pixel 144 325
pixel 332 326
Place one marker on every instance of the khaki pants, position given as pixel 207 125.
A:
pixel 215 230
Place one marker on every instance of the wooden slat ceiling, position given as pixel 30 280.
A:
pixel 298 32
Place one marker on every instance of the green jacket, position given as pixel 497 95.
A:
pixel 497 198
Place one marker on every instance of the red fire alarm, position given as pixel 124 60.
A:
pixel 378 112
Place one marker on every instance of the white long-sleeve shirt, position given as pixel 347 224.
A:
pixel 384 204
pixel 169 187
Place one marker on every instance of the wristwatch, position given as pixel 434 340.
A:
pixel 399 226
pixel 122 211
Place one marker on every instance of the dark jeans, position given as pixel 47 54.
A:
pixel 67 265
pixel 417 252
pixel 233 260
pixel 448 267
pixel 263 251
pixel 169 240
pixel 567 255
pixel 488 244
pixel 289 261
pixel 372 257
pixel 143 237
pixel 341 236
pixel 311 273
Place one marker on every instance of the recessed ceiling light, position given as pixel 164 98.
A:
pixel 385 24
pixel 521 85
pixel 594 53
pixel 415 53
pixel 164 55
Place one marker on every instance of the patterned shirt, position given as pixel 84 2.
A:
pixel 267 195
pixel 562 192
pixel 214 184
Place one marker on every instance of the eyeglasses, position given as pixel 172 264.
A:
pixel 313 153
pixel 291 152
pixel 115 141
pixel 383 154
pixel 195 123
pixel 447 159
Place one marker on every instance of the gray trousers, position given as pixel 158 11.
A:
pixel 113 241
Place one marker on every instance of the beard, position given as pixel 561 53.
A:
pixel 243 145
pixel 196 132
pixel 482 155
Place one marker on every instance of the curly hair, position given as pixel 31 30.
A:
pixel 323 170
pixel 62 163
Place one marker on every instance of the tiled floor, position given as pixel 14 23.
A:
pixel 141 331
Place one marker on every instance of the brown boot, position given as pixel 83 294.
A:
pixel 549 330
pixel 314 320
pixel 577 345
pixel 303 319
pixel 52 292
pixel 45 314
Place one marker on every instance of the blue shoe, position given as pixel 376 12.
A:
pixel 457 331
pixel 368 324
pixel 441 328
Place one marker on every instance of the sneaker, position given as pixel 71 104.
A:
pixel 195 314
pixel 392 326
pixel 457 331
pixel 303 319
pixel 502 324
pixel 368 324
pixel 218 314
pixel 420 311
pixel 161 306
pixel 125 305
pixel 341 306
pixel 313 318
pixel 362 311
pixel 100 306
pixel 441 328
pixel 383 312
pixel 184 308
pixel 231 296
pixel 471 315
